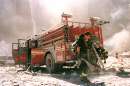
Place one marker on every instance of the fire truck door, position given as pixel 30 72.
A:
pixel 28 53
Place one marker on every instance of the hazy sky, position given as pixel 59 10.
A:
pixel 16 22
pixel 16 18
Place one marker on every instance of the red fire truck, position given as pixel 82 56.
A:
pixel 53 47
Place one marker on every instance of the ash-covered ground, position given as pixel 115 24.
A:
pixel 117 73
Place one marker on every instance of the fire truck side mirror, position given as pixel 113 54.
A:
pixel 33 44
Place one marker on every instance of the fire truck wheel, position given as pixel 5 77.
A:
pixel 50 63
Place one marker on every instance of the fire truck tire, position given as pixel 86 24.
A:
pixel 50 63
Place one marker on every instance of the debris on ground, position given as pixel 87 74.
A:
pixel 114 75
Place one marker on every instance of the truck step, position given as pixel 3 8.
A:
pixel 72 61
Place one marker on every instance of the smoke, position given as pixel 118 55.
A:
pixel 15 23
pixel 120 24
pixel 5 48
pixel 16 19
pixel 52 10
pixel 119 42
pixel 116 15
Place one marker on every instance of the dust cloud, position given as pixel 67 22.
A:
pixel 16 19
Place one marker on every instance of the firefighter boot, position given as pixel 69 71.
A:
pixel 84 79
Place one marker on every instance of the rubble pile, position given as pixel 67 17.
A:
pixel 113 75
pixel 12 76
pixel 113 62
pixel 112 80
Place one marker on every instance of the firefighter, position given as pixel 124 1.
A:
pixel 82 45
